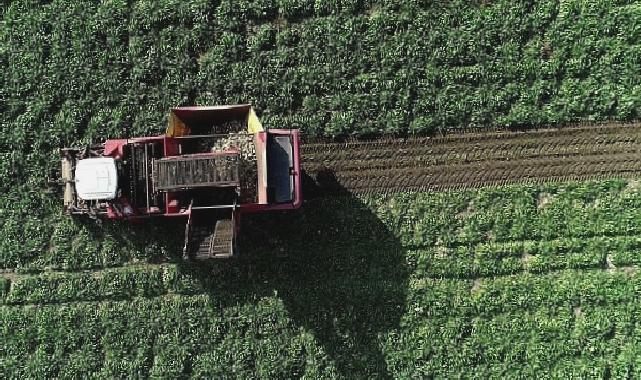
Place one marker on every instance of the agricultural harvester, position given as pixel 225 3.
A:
pixel 213 165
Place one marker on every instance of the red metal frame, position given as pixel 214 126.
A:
pixel 114 148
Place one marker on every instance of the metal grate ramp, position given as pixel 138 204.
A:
pixel 207 244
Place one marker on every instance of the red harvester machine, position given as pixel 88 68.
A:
pixel 212 165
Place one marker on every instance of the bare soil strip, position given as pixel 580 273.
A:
pixel 470 161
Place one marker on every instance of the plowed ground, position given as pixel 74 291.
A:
pixel 468 161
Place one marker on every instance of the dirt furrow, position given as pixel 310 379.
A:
pixel 472 161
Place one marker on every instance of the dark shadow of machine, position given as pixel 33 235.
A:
pixel 339 270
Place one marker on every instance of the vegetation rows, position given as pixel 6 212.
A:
pixel 519 280
pixel 347 67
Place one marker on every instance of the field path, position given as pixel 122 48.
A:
pixel 474 160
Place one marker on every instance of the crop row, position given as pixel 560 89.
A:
pixel 122 283
pixel 171 336
pixel 519 325
pixel 494 259
pixel 425 297
pixel 485 298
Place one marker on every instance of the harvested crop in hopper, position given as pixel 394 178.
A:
pixel 248 166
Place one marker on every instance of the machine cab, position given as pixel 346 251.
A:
pixel 278 168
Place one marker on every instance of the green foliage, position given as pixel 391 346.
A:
pixel 520 281
pixel 89 70
pixel 513 281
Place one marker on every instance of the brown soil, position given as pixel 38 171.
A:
pixel 475 160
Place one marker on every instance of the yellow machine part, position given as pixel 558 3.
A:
pixel 253 124
pixel 176 127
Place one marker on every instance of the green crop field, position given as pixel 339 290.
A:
pixel 516 281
